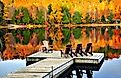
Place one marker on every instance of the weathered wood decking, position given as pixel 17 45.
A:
pixel 45 68
pixel 52 65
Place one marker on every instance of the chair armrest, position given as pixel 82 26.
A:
pixel 61 52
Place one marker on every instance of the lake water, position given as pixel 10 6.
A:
pixel 11 66
pixel 109 69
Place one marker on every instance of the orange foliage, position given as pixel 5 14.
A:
pixel 14 50
pixel 93 7
pixel 24 50
pixel 8 54
pixel 58 39
pixel 110 42
pixel 55 45
pixel 116 39
pixel 71 11
pixel 117 15
pixel 102 43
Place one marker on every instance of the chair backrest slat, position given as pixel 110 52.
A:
pixel 68 49
pixel 78 48
pixel 89 46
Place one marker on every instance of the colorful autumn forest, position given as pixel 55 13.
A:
pixel 56 19
pixel 61 11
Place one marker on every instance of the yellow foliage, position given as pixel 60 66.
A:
pixel 82 6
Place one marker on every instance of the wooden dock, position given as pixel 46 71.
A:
pixel 52 65
pixel 45 68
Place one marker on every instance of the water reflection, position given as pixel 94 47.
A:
pixel 10 66
pixel 109 69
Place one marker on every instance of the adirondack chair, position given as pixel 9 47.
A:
pixel 78 50
pixel 88 49
pixel 46 47
pixel 68 51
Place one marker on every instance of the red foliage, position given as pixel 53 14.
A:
pixel 116 31
pixel 115 55
pixel 7 54
pixel 46 23
pixel 21 14
pixel 46 28
pixel 110 55
pixel 18 17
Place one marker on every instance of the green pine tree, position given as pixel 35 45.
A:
pixel 110 17
pixel 1 11
pixel 77 18
pixel 27 35
pixel 66 16
pixel 14 19
pixel 41 33
pixel 41 18
pixel 49 9
pixel 103 19
pixel 26 17
pixel 77 33
pixel 66 33
pixel 65 19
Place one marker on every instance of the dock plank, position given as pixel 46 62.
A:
pixel 25 75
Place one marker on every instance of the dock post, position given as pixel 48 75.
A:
pixel 79 74
pixel 69 76
pixel 52 71
pixel 89 73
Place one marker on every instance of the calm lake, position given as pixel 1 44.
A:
pixel 109 69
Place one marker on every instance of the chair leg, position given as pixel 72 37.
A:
pixel 90 53
pixel 81 54
pixel 75 54
pixel 50 50
pixel 71 55
pixel 61 52
pixel 84 53
pixel 44 49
